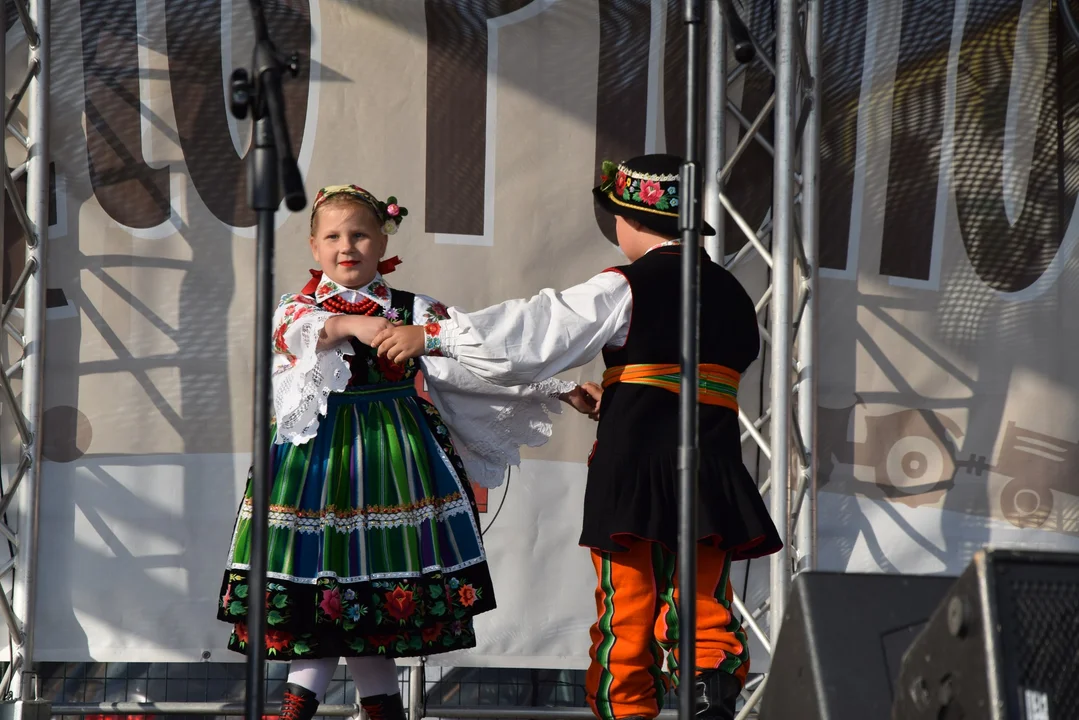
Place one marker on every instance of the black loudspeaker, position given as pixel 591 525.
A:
pixel 838 654
pixel 1003 645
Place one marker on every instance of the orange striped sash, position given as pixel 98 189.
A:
pixel 717 385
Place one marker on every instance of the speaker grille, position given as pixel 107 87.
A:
pixel 1044 637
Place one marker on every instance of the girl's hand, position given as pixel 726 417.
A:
pixel 401 342
pixel 365 328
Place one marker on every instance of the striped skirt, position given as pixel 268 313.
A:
pixel 374 547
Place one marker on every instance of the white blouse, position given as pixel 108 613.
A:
pixel 489 423
pixel 525 341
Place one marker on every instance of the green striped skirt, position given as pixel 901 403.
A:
pixel 374 546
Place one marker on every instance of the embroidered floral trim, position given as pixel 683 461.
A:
pixel 395 617
pixel 295 307
pixel 435 312
pixel 432 343
pixel 643 191
pixel 326 288
pixel 377 289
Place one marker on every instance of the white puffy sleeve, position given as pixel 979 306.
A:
pixel 303 376
pixel 488 423
pixel 524 341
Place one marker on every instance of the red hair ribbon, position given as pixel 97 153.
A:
pixel 388 266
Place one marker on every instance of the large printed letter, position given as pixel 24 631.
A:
pixel 130 191
pixel 1015 147
pixel 917 133
pixel 624 30
pixel 196 76
pixel 457 58
pixel 749 185
pixel 842 67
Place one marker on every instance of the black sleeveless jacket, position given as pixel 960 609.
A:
pixel 633 472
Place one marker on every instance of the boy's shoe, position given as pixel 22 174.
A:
pixel 717 693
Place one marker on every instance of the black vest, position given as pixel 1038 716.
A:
pixel 639 419
pixel 632 491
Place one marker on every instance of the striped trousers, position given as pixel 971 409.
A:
pixel 638 623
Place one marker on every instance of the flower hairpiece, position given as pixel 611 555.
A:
pixel 391 214
pixel 607 172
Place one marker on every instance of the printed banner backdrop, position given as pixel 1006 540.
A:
pixel 948 368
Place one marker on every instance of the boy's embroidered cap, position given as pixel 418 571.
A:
pixel 389 213
pixel 645 189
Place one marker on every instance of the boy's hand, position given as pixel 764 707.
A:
pixel 401 342
pixel 585 399
pixel 365 328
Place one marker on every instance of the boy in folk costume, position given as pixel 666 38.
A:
pixel 630 510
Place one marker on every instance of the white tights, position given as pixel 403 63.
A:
pixel 372 675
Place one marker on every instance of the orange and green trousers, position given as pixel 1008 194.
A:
pixel 636 603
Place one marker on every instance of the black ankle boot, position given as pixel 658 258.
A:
pixel 299 703
pixel 384 707
pixel 717 693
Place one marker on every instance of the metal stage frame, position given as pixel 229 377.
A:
pixel 22 489
pixel 787 244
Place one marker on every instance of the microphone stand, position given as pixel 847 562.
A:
pixel 271 172
pixel 690 225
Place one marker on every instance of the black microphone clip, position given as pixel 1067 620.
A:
pixel 744 50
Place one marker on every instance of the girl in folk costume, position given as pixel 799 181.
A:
pixel 374 548
pixel 630 507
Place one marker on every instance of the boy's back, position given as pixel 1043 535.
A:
pixel 636 453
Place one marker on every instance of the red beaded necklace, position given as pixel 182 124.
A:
pixel 338 304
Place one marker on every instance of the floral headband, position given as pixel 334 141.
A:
pixel 389 213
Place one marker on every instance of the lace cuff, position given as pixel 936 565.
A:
pixel 304 379
pixel 490 423
pixel 553 387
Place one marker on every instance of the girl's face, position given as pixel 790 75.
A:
pixel 347 243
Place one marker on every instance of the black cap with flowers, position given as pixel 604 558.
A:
pixel 645 189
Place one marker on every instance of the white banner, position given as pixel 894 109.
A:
pixel 947 371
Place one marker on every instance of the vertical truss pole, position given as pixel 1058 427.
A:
pixel 793 60
pixel 782 303
pixel 806 529
pixel 37 205
pixel 3 113
pixel 716 129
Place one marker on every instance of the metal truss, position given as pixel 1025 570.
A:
pixel 787 243
pixel 25 329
